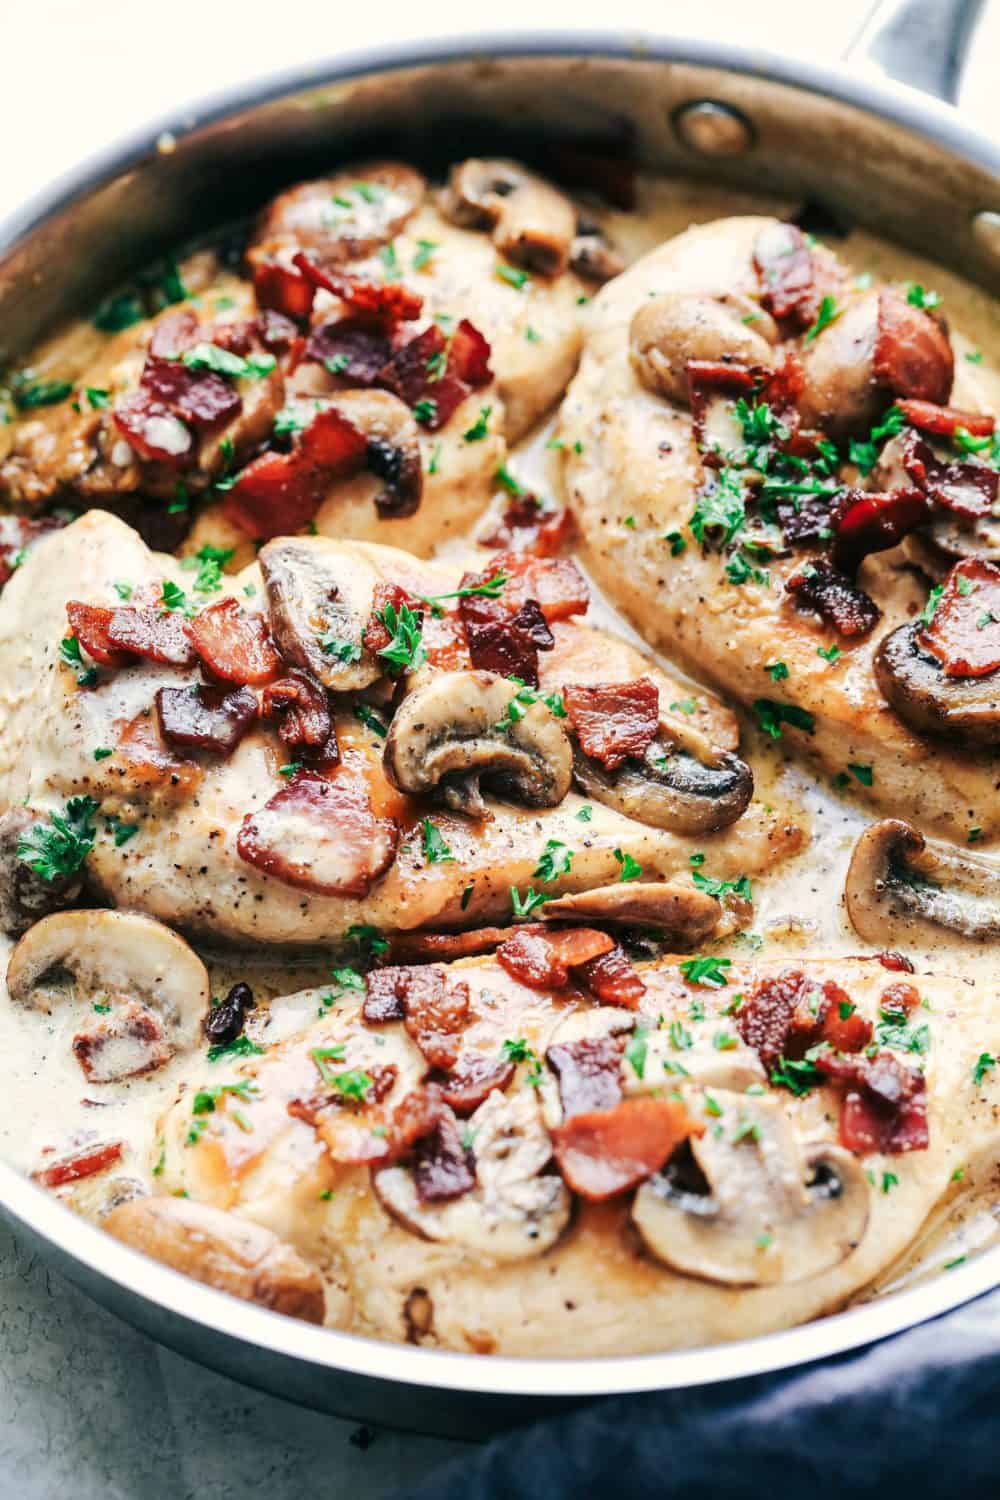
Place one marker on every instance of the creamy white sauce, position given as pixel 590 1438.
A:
pixel 47 1108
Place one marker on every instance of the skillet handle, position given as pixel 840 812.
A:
pixel 924 43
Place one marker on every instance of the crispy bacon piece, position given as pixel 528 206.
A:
pixel 381 1078
pixel 469 356
pixel 712 388
pixel 416 1116
pixel 913 356
pixel 412 947
pixel 385 995
pixel 807 521
pixel 614 720
pixel 206 718
pixel 83 1163
pixel 18 535
pixel 944 421
pixel 900 1000
pixel 152 764
pixel 427 369
pixel 126 1043
pixel 286 291
pixel 555 582
pixel 435 1010
pixel 505 643
pixel 964 633
pixel 276 332
pixel 542 959
pixel 787 1013
pixel 784 263
pixel 387 302
pixel 233 645
pixel 604 1152
pixel 278 493
pixel 863 523
pixel 885 1109
pixel 896 963
pixel 828 593
pixel 89 623
pixel 319 835
pixel 442 1168
pixel 352 348
pixel 588 1073
pixel 303 706
pixel 612 980
pixel 155 634
pixel 376 634
pixel 528 526
pixel 962 485
pixel 473 1079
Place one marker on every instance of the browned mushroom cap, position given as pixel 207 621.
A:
pixel 225 1251
pixel 452 732
pixel 319 597
pixel 682 783
pixel 683 914
pixel 902 888
pixel 393 448
pixel 533 223
pixel 25 896
pixel 344 217
pixel 753 1208
pixel 842 395
pixel 967 709
pixel 593 254
pixel 670 330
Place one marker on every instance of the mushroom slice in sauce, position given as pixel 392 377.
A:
pixel 319 598
pixel 685 915
pixel 344 217
pixel 903 888
pixel 153 988
pixel 671 330
pixel 774 1212
pixel 682 782
pixel 593 254
pixel 223 1250
pixel 515 1211
pixel 967 709
pixel 452 732
pixel 532 223
pixel 393 448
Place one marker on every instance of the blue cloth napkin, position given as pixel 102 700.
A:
pixel 916 1416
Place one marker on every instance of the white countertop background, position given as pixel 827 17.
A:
pixel 90 1409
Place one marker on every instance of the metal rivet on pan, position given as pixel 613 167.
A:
pixel 713 129
pixel 986 229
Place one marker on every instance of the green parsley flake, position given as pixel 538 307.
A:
pixel 554 861
pixel 630 868
pixel 436 851
pixel 711 972
pixel 771 716
pixel 828 313
pixel 512 276
pixel 59 847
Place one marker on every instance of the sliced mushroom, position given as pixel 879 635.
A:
pixel 393 448
pixel 773 1212
pixel 903 888
pixel 452 733
pixel 593 254
pixel 516 1210
pixel 682 783
pixel 842 395
pixel 155 985
pixel 345 216
pixel 222 1250
pixel 25 896
pixel 533 224
pixel 319 597
pixel 670 330
pixel 673 1054
pixel 967 709
pixel 678 911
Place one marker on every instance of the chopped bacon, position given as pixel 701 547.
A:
pixel 604 1152
pixel 278 493
pixel 411 947
pixel 376 634
pixel 614 721
pixel 885 1109
pixel 782 389
pixel 913 356
pixel 284 290
pixel 588 1073
pixel 828 593
pixel 787 1013
pixel 303 706
pixel 507 644
pixel 442 1167
pixel 469 356
pixel 89 623
pixel 944 421
pixel 542 959
pixel 473 1079
pixel 18 535
pixel 416 1116
pixel 319 835
pixel 83 1163
pixel 612 980
pixel 151 763
pixel 435 1010
pixel 200 399
pixel 206 718
pixel 381 1079
pixel 864 523
pixel 806 521
pixel 529 526
pixel 784 263
pixel 126 1043
pixel 900 1000
pixel 712 388
pixel 158 635
pixel 896 963
pixel 277 333
pixel 964 633
pixel 351 348
pixel 233 645
pixel 555 582
pixel 962 485
pixel 418 372
pixel 387 302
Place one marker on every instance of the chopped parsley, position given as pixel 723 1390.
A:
pixel 341 650
pixel 720 511
pixel 103 752
pixel 510 274
pixel 797 1075
pixel 97 397
pixel 554 861
pixel 864 774
pixel 711 972
pixel 491 589
pixel 828 313
pixel 523 906
pixel 28 394
pixel 58 848
pixel 404 651
pixel 370 719
pixel 425 411
pixel 240 1046
pixel 71 656
pixel 504 477
pixel 777 671
pixel 172 597
pixel 290 769
pixel 479 428
pixel 984 1062
pixel 926 615
pixel 425 250
pixel 829 653
pixel 390 263
pixel 677 543
pixel 865 454
pixel 740 887
pixel 209 561
pixel 585 813
pixel 368 939
pixel 631 869
pixel 635 1051
pixel 121 832
pixel 222 362
pixel 918 296
pixel 436 851
pixel 771 716
pixel 116 313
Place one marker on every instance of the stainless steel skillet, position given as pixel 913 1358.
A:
pixel 883 156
